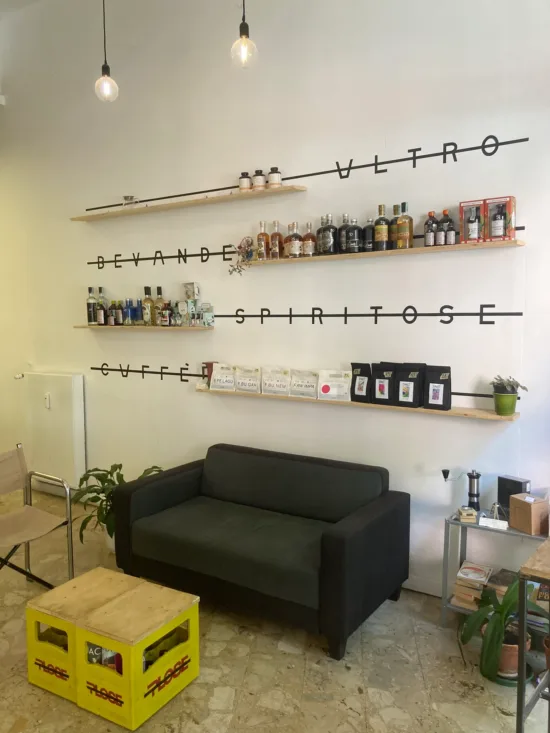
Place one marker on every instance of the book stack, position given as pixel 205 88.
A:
pixel 470 581
pixel 467 515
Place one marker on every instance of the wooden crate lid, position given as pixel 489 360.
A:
pixel 139 612
pixel 82 595
pixel 538 565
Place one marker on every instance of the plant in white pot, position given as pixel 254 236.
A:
pixel 96 489
pixel 505 393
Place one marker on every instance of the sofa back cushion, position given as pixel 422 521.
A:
pixel 317 488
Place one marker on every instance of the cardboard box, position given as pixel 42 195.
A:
pixel 529 514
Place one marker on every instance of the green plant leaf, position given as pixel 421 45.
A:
pixel 491 647
pixel 120 478
pixel 151 471
pixel 85 522
pixel 474 622
pixel 490 597
pixel 510 601
pixel 110 523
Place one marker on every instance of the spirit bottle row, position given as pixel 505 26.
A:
pixel 439 233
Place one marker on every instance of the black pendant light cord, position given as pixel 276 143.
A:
pixel 244 11
pixel 244 29
pixel 105 33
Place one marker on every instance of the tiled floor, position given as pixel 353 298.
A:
pixel 402 672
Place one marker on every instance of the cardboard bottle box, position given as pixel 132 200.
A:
pixel 529 514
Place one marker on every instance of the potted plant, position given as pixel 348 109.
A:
pixel 96 489
pixel 496 621
pixel 505 393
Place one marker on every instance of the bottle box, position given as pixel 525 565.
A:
pixel 464 216
pixel 496 231
pixel 191 291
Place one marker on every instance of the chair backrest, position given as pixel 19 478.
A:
pixel 13 471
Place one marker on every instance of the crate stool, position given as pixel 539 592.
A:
pixel 131 626
pixel 51 653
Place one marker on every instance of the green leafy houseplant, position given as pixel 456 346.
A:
pixel 506 386
pixel 505 394
pixel 96 488
pixel 497 617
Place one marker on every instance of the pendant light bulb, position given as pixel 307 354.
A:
pixel 244 51
pixel 106 88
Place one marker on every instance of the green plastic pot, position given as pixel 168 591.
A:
pixel 505 403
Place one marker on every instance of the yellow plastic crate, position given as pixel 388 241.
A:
pixel 136 627
pixel 51 626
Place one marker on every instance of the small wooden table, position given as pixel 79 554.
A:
pixel 537 568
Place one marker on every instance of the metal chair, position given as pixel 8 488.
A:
pixel 24 525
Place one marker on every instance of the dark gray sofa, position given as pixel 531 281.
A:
pixel 319 542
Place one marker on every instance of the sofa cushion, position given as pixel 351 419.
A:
pixel 272 553
pixel 306 487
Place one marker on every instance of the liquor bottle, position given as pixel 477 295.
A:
pixel 381 230
pixel 330 237
pixel 159 305
pixel 354 237
pixel 111 314
pixel 320 235
pixel 310 242
pixel 138 313
pixel 368 236
pixel 498 222
pixel 393 227
pixel 294 241
pixel 276 243
pixel 342 229
pixel 450 234
pixel 91 304
pixel 119 314
pixel 148 308
pixel 430 228
pixel 404 228
pixel 102 299
pixel 101 313
pixel 473 224
pixel 262 243
pixel 128 314
pixel 166 314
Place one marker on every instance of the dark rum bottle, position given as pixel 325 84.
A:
pixel 342 243
pixel 354 237
pixel 381 230
pixel 393 226
pixel 498 222
pixel 368 236
pixel 330 237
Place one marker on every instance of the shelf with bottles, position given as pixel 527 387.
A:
pixel 149 329
pixel 137 208
pixel 187 313
pixel 385 237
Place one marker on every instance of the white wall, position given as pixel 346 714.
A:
pixel 333 82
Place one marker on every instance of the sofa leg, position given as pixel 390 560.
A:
pixel 337 648
pixel 396 595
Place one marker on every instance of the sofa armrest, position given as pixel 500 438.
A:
pixel 151 495
pixel 364 559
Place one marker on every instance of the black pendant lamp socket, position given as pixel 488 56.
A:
pixel 244 51
pixel 106 88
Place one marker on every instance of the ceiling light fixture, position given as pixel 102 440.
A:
pixel 244 51
pixel 105 87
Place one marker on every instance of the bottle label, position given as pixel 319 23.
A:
pixel 328 242
pixel 497 228
pixel 381 233
pixel 353 245
pixel 111 319
pixel 429 239
pixel 92 313
pixel 259 182
pixel 295 248
pixel 165 318
pixel 147 314
pixel 100 317
pixel 393 232
pixel 245 183
pixel 473 230
pixel 403 235
pixel 343 241
pixel 450 236
pixel 440 237
pixel 119 317
pixel 309 247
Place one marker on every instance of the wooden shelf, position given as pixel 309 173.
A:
pixel 474 413
pixel 134 210
pixel 149 329
pixel 392 253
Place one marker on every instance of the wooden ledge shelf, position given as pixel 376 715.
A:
pixel 152 208
pixel 392 253
pixel 473 413
pixel 149 329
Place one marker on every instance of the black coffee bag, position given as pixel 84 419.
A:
pixel 384 383
pixel 361 383
pixel 410 385
pixel 437 389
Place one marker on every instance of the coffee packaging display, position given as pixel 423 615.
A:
pixel 361 382
pixel 248 379
pixel 410 385
pixel 437 388
pixel 384 383
pixel 334 385
pixel 303 383
pixel 276 380
pixel 223 378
